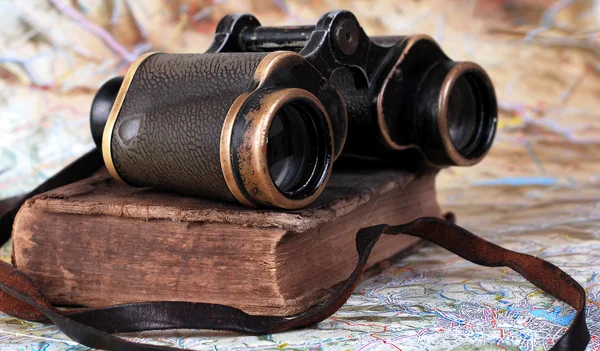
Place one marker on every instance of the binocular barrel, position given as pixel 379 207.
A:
pixel 260 118
pixel 233 127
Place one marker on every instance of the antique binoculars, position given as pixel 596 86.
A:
pixel 261 116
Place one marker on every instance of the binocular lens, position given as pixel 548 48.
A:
pixel 292 148
pixel 460 127
pixel 471 114
pixel 464 113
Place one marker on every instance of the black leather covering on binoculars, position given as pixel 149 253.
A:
pixel 169 129
pixel 361 124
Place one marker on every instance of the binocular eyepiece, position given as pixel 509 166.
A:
pixel 444 108
pixel 261 116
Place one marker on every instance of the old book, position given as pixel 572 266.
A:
pixel 98 242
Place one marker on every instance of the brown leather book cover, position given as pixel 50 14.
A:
pixel 98 242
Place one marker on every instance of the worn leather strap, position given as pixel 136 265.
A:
pixel 20 297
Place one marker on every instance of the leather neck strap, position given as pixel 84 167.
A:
pixel 21 298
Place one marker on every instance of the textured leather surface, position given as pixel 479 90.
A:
pixel 168 131
pixel 362 125
pixel 21 298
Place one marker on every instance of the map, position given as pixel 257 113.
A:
pixel 537 192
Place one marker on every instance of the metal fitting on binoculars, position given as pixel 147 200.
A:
pixel 261 116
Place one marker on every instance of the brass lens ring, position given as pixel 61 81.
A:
pixel 467 113
pixel 247 163
pixel 114 112
pixel 390 80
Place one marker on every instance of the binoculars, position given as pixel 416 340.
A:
pixel 260 117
